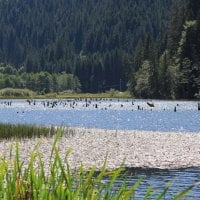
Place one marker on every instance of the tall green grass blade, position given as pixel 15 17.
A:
pixel 41 166
pixel 32 173
pixel 103 171
pixel 69 175
pixel 88 183
pixel 120 193
pixel 126 194
pixel 114 176
pixel 149 193
pixel 183 193
pixel 57 137
pixel 135 186
pixel 163 194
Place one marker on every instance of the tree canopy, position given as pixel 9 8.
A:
pixel 106 43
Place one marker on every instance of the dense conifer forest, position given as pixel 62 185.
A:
pixel 149 47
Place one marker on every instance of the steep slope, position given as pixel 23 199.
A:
pixel 92 39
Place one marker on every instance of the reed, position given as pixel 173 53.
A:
pixel 8 131
pixel 31 182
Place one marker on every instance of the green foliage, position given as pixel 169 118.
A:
pixel 184 58
pixel 42 82
pixel 142 87
pixel 89 39
pixel 112 92
pixel 94 46
pixel 145 80
pixel 16 93
pixel 173 69
pixel 68 82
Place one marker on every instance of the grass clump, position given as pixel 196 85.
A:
pixel 8 131
pixel 112 93
pixel 33 181
pixel 16 93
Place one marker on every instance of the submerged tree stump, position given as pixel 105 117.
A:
pixel 151 104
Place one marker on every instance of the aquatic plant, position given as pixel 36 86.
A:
pixel 8 131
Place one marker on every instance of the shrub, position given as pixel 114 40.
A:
pixel 16 93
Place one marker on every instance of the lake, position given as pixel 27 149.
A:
pixel 130 114
pixel 179 180
pixel 106 114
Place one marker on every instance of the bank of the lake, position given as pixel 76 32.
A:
pixel 13 93
pixel 131 149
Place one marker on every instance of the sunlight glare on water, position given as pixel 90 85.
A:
pixel 107 114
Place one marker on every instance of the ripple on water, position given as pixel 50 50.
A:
pixel 179 180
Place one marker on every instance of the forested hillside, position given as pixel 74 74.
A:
pixel 181 59
pixel 106 43
pixel 174 72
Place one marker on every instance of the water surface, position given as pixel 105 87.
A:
pixel 110 114
pixel 117 114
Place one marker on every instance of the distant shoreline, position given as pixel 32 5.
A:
pixel 16 94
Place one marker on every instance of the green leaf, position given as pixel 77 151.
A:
pixel 162 195
pixel 183 193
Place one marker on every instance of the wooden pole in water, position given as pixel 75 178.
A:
pixel 175 109
pixel 199 106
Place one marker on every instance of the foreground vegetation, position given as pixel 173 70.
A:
pixel 31 182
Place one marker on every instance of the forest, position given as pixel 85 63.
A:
pixel 150 48
pixel 42 82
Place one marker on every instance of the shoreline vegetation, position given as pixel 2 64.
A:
pixel 11 93
pixel 21 131
pixel 41 167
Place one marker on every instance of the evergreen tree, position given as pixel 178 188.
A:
pixel 44 35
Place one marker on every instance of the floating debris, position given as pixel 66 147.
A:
pixel 151 104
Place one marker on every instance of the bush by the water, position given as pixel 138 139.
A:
pixel 16 93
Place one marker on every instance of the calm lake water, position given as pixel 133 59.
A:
pixel 117 114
